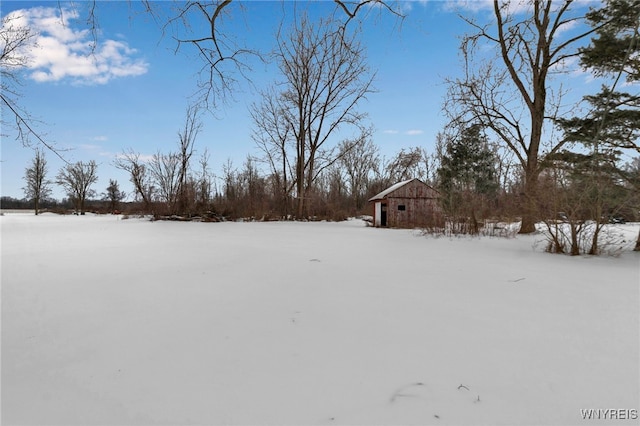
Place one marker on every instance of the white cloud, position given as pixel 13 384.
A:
pixel 88 146
pixel 475 6
pixel 62 52
pixel 100 138
pixel 142 158
pixel 412 132
pixel 513 7
pixel 572 67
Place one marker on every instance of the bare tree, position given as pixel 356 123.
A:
pixel 131 163
pixel 511 94
pixel 37 186
pixel 76 179
pixel 224 57
pixel 325 78
pixel 272 134
pixel 407 164
pixel 187 138
pixel 253 187
pixel 167 176
pixel 358 160
pixel 15 41
pixel 165 172
pixel 331 194
pixel 204 185
pixel 221 54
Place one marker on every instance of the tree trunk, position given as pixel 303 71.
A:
pixel 594 242
pixel 575 246
pixel 529 202
pixel 474 223
pixel 300 190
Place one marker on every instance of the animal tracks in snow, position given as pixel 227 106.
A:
pixel 426 402
pixel 407 391
pixel 439 399
pixel 420 390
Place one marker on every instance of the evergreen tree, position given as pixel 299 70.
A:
pixel 614 51
pixel 467 175
pixel 616 45
pixel 114 195
pixel 613 123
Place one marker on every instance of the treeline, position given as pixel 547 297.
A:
pixel 66 206
pixel 476 180
pixel 11 203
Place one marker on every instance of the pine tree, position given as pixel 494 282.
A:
pixel 114 195
pixel 613 123
pixel 467 175
pixel 616 45
pixel 614 52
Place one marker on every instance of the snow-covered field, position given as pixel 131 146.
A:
pixel 131 322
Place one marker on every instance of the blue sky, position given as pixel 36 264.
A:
pixel 134 91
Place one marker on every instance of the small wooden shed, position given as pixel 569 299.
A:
pixel 407 204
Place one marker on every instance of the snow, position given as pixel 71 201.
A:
pixel 132 322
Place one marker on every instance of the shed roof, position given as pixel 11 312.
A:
pixel 390 189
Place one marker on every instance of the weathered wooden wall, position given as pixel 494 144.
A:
pixel 421 206
pixel 418 212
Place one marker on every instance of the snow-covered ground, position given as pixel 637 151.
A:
pixel 131 322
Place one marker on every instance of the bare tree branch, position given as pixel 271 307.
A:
pixel 14 43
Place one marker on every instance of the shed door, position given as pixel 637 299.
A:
pixel 383 215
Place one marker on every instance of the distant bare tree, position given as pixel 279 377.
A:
pixel 165 172
pixel 186 140
pixel 76 179
pixel 358 162
pixel 253 188
pixel 204 185
pixel 131 163
pixel 331 194
pixel 37 186
pixel 273 136
pixel 407 164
